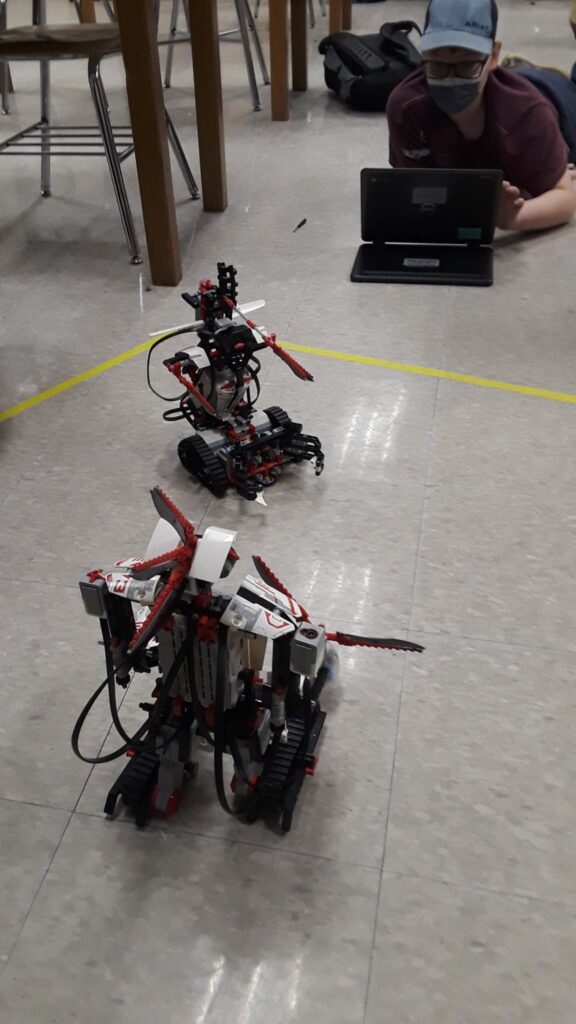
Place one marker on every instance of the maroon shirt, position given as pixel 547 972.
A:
pixel 522 137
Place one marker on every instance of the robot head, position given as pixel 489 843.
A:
pixel 233 344
pixel 214 556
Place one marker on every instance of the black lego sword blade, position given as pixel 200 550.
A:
pixel 389 644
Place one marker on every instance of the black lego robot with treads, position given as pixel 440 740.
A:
pixel 234 444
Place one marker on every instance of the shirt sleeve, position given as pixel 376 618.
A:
pixel 541 157
pixel 407 146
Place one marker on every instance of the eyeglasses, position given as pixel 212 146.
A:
pixel 463 69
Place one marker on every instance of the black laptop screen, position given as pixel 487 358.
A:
pixel 427 206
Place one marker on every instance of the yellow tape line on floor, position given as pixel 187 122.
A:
pixel 326 353
pixel 429 371
pixel 72 382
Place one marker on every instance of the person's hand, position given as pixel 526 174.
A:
pixel 511 202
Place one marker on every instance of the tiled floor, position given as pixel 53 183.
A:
pixel 429 877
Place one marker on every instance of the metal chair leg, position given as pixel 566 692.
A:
pixel 4 67
pixel 4 88
pixel 170 47
pixel 312 14
pixel 45 183
pixel 257 44
pixel 323 8
pixel 100 105
pixel 245 36
pixel 246 26
pixel 109 10
pixel 181 158
pixel 186 7
pixel 257 8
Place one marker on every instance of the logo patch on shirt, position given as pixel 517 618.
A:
pixel 416 154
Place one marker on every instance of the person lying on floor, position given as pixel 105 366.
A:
pixel 462 110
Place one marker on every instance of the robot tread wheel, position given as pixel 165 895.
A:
pixel 200 461
pixel 278 417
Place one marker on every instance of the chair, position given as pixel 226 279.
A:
pixel 46 43
pixel 312 14
pixel 247 30
pixel 6 86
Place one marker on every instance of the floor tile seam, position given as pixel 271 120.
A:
pixel 512 894
pixel 13 487
pixel 35 897
pixel 384 839
pixel 70 411
pixel 175 829
pixel 48 441
pixel 41 583
pixel 40 805
pixel 71 814
pixel 423 505
pixel 399 713
pixel 392 625
pixel 451 301
pixel 456 635
pixel 398 627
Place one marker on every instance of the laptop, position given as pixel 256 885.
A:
pixel 427 226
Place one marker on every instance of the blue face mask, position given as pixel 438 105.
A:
pixel 453 95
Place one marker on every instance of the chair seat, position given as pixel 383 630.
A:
pixel 58 42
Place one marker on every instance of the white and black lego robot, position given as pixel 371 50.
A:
pixel 165 613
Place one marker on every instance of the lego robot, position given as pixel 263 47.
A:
pixel 166 613
pixel 233 444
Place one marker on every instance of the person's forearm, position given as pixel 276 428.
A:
pixel 549 210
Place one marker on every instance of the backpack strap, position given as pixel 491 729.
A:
pixel 396 42
pixel 359 51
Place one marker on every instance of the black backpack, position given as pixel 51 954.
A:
pixel 364 70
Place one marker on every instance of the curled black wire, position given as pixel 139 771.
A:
pixel 165 337
pixel 139 736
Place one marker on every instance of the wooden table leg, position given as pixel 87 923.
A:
pixel 88 11
pixel 279 59
pixel 298 28
pixel 347 14
pixel 335 16
pixel 208 95
pixel 137 26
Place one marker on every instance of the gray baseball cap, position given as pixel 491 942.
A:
pixel 470 24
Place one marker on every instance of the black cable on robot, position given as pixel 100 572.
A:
pixel 132 742
pixel 165 337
